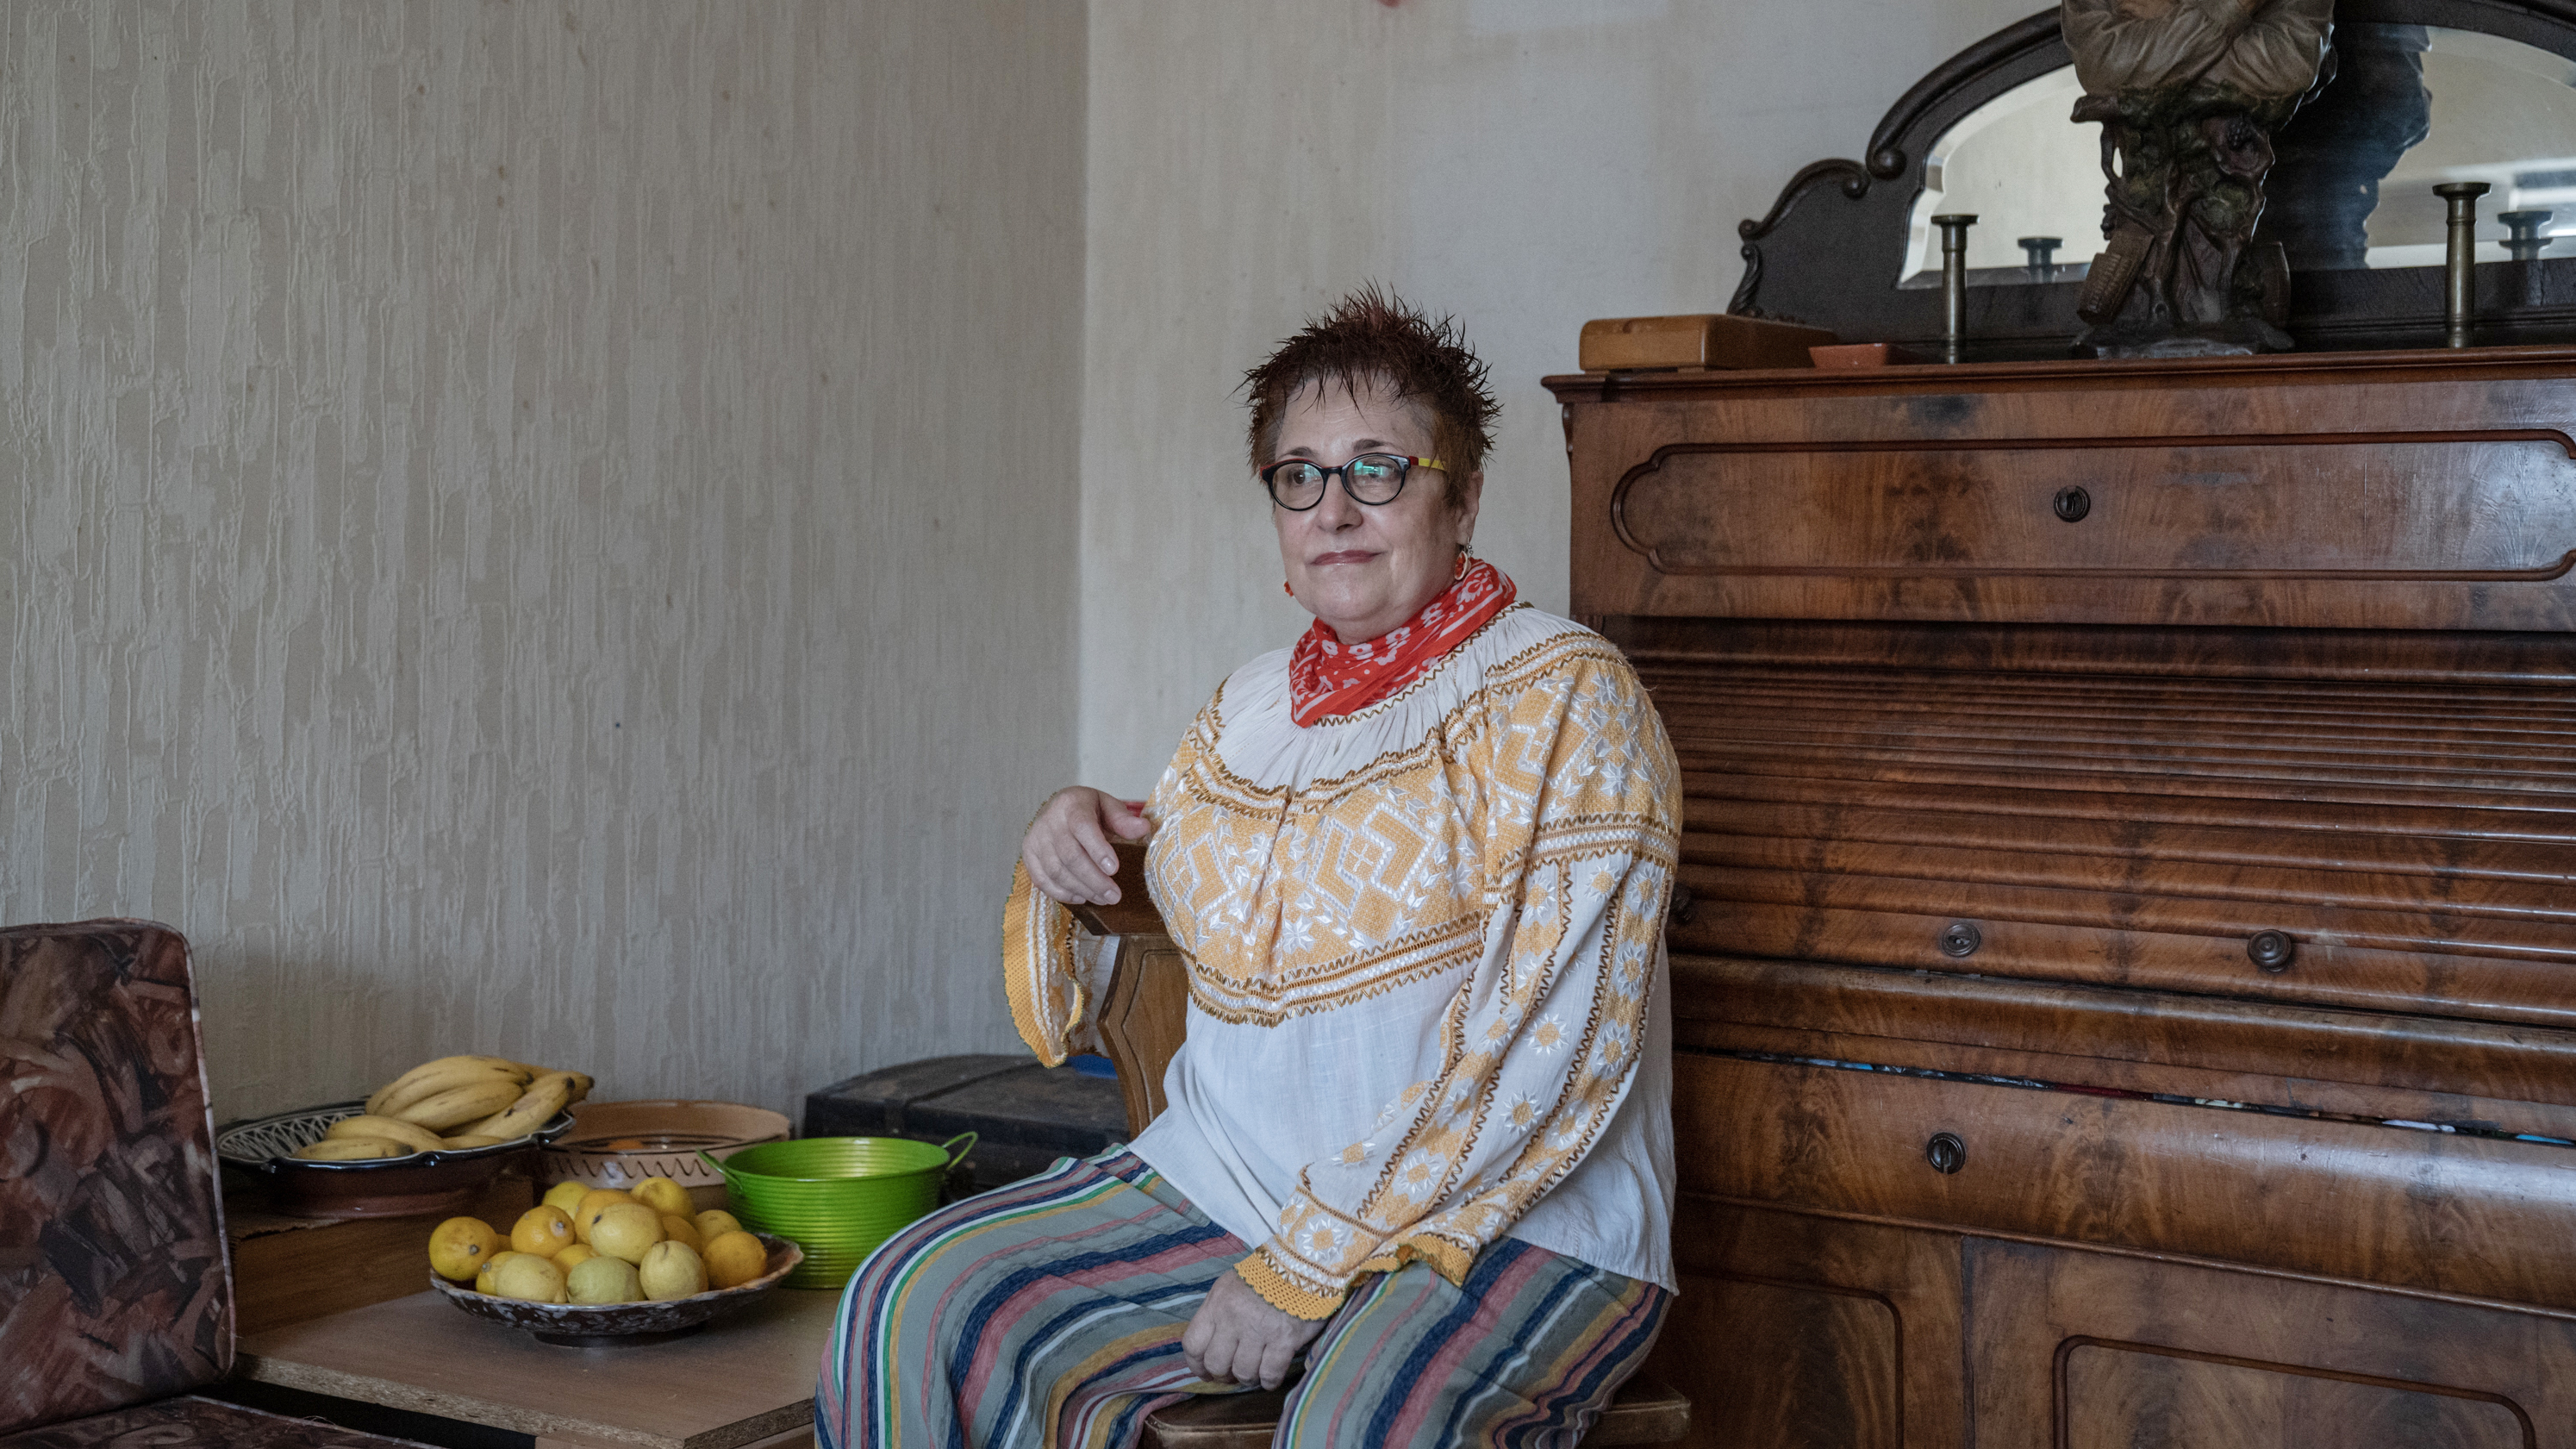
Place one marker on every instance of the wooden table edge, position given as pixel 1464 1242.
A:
pixel 516 1418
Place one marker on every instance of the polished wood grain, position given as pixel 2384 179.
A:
pixel 2108 730
pixel 2376 658
pixel 2201 508
pixel 2112 1074
pixel 1797 1330
pixel 292 1269
pixel 1698 340
pixel 2117 1395
pixel 2413 1209
pixel 1143 1018
pixel 1133 912
pixel 1926 492
pixel 1143 1011
pixel 2087 1349
pixel 2413 841
pixel 2415 1067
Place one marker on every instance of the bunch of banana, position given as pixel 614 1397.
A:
pixel 458 1102
pixel 350 1149
pixel 451 1091
pixel 368 1135
pixel 546 1094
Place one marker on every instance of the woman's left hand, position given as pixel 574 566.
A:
pixel 1237 1337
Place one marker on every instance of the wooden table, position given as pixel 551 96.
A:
pixel 288 1269
pixel 747 1379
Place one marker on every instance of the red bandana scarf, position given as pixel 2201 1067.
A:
pixel 1328 678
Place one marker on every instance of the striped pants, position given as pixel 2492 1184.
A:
pixel 1049 1314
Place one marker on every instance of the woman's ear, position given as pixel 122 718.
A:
pixel 1470 495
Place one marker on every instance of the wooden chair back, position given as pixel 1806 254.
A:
pixel 1144 1011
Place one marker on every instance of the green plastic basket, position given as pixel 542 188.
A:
pixel 836 1197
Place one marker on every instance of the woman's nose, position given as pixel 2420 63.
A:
pixel 1337 511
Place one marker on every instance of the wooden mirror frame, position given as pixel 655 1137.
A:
pixel 1829 252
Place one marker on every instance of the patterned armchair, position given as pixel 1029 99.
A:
pixel 116 1299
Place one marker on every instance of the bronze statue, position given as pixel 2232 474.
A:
pixel 2188 93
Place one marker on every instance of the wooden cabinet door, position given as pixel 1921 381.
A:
pixel 2082 1350
pixel 1802 1332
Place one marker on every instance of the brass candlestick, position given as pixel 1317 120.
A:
pixel 2461 260
pixel 1954 281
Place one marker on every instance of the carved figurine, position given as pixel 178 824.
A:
pixel 2188 93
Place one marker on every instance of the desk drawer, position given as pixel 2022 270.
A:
pixel 2093 1350
pixel 2432 1211
pixel 2432 506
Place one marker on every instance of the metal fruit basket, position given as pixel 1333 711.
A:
pixel 423 1182
pixel 621 1325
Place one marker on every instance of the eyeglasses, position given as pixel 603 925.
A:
pixel 1297 484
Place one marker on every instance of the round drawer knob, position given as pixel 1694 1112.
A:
pixel 2271 950
pixel 2072 504
pixel 1961 939
pixel 1946 1152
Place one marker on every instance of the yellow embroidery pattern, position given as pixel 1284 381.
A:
pixel 1550 798
pixel 1048 997
pixel 1290 902
pixel 1525 845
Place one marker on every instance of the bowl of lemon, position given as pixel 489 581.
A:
pixel 603 1267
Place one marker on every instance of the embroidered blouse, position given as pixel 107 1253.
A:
pixel 1428 997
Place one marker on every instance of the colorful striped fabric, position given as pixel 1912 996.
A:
pixel 1049 1315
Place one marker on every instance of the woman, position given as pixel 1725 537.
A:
pixel 1419 1133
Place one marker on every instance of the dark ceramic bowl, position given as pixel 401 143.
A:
pixel 381 1187
pixel 620 1325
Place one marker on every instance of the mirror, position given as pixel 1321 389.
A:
pixel 2409 106
pixel 2023 170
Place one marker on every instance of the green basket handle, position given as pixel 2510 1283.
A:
pixel 969 1138
pixel 711 1162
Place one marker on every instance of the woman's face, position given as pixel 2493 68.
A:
pixel 1362 568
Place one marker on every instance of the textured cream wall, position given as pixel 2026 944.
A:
pixel 540 527
pixel 1525 164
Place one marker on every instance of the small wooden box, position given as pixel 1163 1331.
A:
pixel 1622 344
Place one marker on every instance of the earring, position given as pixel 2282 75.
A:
pixel 1460 571
pixel 1287 588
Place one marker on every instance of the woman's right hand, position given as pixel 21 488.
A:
pixel 1067 848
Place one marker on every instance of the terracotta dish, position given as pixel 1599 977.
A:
pixel 1863 354
pixel 617 1325
pixel 389 1187
pixel 619 1144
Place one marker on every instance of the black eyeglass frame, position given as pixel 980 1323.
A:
pixel 1405 461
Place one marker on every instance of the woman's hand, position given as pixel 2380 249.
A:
pixel 1237 1337
pixel 1067 848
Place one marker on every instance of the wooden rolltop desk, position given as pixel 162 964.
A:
pixel 2127 987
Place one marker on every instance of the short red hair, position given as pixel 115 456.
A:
pixel 1374 336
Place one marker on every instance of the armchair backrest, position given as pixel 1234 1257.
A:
pixel 114 1288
